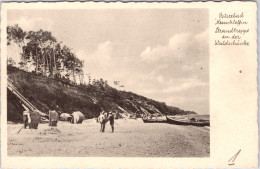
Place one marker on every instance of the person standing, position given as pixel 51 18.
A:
pixel 26 118
pixel 58 110
pixel 101 120
pixel 111 120
pixel 104 123
pixel 105 120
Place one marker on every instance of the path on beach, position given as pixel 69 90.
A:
pixel 132 138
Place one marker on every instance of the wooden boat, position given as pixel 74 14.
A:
pixel 154 120
pixel 185 121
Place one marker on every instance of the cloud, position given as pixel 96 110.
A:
pixel 103 52
pixel 185 55
pixel 185 84
pixel 175 73
pixel 197 104
pixel 109 61
pixel 28 23
pixel 179 70
pixel 179 47
pixel 81 54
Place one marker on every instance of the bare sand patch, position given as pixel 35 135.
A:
pixel 132 138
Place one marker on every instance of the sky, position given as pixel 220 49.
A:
pixel 162 54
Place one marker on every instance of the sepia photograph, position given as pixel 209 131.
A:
pixel 129 85
pixel 108 83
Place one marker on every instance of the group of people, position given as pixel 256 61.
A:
pixel 103 118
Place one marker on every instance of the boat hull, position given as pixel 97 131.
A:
pixel 154 121
pixel 173 121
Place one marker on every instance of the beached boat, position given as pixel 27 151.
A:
pixel 185 121
pixel 154 120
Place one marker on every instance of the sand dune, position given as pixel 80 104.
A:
pixel 132 138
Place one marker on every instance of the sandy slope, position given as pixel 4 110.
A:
pixel 131 138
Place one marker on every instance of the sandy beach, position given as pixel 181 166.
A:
pixel 132 138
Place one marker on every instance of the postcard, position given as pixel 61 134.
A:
pixel 129 85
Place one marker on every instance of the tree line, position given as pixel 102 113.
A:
pixel 45 53
pixel 48 57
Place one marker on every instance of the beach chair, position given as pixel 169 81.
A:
pixel 77 117
pixel 53 118
pixel 35 119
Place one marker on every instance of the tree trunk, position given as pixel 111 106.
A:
pixel 47 61
pixel 51 67
pixel 73 73
pixel 80 78
pixel 44 62
pixel 54 62
pixel 37 62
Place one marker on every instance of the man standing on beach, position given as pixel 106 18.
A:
pixel 101 120
pixel 111 120
pixel 105 114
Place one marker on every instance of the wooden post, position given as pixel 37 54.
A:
pixel 49 118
